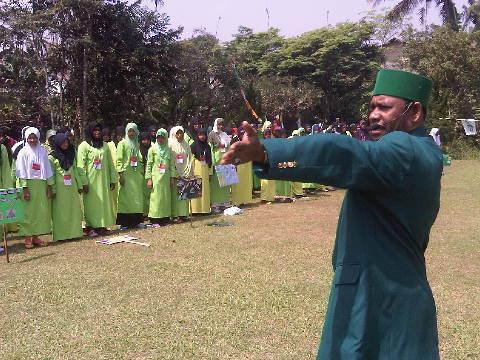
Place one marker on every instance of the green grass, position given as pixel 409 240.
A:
pixel 255 290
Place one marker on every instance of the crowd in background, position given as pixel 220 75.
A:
pixel 74 188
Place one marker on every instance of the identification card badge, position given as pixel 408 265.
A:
pixel 97 164
pixel 36 169
pixel 203 160
pixel 133 161
pixel 222 148
pixel 179 159
pixel 67 180
pixel 162 168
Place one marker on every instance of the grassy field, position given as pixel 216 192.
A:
pixel 254 290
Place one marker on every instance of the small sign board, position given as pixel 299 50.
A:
pixel 189 188
pixel 227 175
pixel 11 206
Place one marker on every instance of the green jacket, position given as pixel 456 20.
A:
pixel 381 305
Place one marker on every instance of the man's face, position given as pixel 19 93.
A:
pixel 146 142
pixel 386 112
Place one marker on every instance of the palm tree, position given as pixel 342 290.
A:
pixel 472 14
pixel 448 11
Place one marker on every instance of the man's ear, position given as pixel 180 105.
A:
pixel 417 114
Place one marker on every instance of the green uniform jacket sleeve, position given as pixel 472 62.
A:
pixel 14 172
pixel 78 176
pixel 54 170
pixel 5 170
pixel 122 158
pixel 340 161
pixel 82 159
pixel 111 165
pixel 150 162
pixel 173 169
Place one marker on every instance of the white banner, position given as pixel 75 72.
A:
pixel 470 126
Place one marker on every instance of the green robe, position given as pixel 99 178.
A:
pixel 130 195
pixel 242 192
pixel 161 195
pixel 201 205
pixel 180 208
pixel 5 170
pixel 38 210
pixel 66 208
pixel 113 152
pixel 98 208
pixel 381 305
pixel 283 188
pixel 218 195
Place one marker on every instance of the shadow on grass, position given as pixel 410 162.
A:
pixel 36 257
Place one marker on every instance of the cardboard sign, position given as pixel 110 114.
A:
pixel 227 175
pixel 189 188
pixel 11 206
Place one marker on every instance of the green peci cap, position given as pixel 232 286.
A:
pixel 403 84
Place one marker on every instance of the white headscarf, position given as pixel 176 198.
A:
pixel 30 155
pixel 217 137
pixel 181 148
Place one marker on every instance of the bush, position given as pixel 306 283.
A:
pixel 460 149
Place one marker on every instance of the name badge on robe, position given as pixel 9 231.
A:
pixel 133 161
pixel 97 164
pixel 180 159
pixel 162 168
pixel 203 160
pixel 67 180
pixel 36 169
pixel 222 148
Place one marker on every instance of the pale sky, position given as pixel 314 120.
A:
pixel 291 17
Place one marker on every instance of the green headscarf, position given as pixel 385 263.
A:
pixel 163 149
pixel 133 142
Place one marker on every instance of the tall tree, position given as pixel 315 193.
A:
pixel 448 10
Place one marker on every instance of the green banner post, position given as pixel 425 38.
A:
pixel 11 211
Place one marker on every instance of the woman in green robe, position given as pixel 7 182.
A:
pixel 95 159
pixel 131 178
pixel 34 174
pixel 145 145
pixel 67 220
pixel 158 175
pixel 202 169
pixel 242 192
pixel 108 138
pixel 5 170
pixel 181 167
pixel 6 179
pixel 220 143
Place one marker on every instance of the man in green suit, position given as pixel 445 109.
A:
pixel 381 305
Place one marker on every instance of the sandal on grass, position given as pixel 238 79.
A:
pixel 37 241
pixel 28 243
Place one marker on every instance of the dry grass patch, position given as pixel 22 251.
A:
pixel 255 290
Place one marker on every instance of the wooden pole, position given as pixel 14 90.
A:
pixel 5 242
pixel 190 212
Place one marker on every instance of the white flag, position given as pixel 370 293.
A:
pixel 470 126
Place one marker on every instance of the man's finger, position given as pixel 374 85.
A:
pixel 249 130
pixel 228 158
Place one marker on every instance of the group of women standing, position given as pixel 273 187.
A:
pixel 120 181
